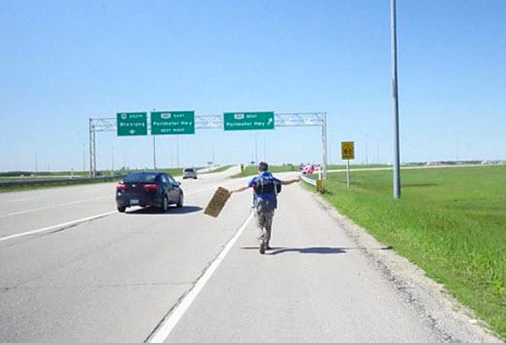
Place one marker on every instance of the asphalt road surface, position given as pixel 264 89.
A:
pixel 72 269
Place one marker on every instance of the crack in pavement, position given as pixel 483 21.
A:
pixel 61 229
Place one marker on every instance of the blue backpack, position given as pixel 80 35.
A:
pixel 267 186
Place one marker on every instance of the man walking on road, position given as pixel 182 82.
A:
pixel 265 201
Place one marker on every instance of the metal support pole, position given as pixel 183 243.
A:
pixel 94 151
pixel 397 159
pixel 366 149
pixel 112 162
pixel 154 152
pixel 348 173
pixel 256 148
pixel 265 151
pixel 324 145
pixel 91 146
pixel 177 153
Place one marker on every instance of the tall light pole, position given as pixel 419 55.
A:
pixel 265 151
pixel 395 99
pixel 377 152
pixel 112 162
pixel 366 150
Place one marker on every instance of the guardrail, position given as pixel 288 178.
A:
pixel 69 180
pixel 308 180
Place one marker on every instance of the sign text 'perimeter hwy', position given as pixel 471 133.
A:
pixel 248 121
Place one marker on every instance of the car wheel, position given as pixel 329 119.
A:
pixel 165 205
pixel 180 203
pixel 121 209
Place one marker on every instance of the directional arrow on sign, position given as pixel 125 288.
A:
pixel 131 124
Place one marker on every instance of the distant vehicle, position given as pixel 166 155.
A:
pixel 149 189
pixel 310 169
pixel 189 173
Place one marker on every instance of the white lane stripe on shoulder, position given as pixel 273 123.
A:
pixel 163 330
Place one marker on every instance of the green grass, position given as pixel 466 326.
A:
pixel 173 172
pixel 450 222
pixel 356 166
pixel 253 170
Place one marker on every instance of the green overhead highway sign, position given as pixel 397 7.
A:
pixel 172 122
pixel 129 124
pixel 248 121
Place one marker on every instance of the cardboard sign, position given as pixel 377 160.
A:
pixel 217 202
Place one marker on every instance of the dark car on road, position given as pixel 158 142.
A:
pixel 149 189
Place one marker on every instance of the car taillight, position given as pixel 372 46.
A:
pixel 121 187
pixel 151 187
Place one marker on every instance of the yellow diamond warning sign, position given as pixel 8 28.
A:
pixel 348 150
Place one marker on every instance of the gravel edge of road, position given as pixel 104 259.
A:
pixel 450 320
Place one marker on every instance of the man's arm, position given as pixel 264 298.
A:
pixel 286 183
pixel 239 190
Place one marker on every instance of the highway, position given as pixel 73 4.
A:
pixel 73 269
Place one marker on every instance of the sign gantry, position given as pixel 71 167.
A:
pixel 186 122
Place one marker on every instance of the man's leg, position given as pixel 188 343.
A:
pixel 268 218
pixel 261 234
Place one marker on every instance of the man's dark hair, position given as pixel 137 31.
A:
pixel 263 166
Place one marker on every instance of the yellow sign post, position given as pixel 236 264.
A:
pixel 319 186
pixel 347 153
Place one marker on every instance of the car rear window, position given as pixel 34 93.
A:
pixel 189 170
pixel 140 177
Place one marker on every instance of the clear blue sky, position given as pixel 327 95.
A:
pixel 64 61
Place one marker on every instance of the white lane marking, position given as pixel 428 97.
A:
pixel 77 202
pixel 50 207
pixel 76 221
pixel 54 227
pixel 170 321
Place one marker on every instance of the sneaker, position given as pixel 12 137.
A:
pixel 267 247
pixel 262 248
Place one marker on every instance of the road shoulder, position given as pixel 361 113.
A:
pixel 450 319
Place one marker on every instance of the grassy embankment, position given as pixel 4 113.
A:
pixel 253 170
pixel 356 166
pixel 450 222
